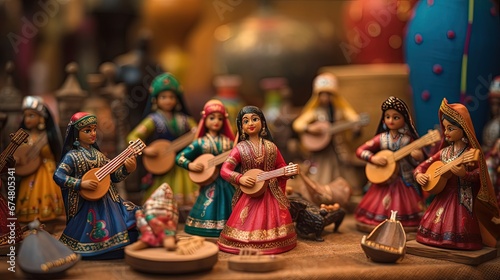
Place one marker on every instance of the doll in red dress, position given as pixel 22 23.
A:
pixel 263 222
pixel 464 215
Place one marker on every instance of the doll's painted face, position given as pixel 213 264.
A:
pixel 166 101
pixel 251 124
pixel 393 119
pixel 214 122
pixel 452 133
pixel 87 135
pixel 31 118
pixel 324 98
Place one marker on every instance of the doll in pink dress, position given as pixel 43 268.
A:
pixel 263 222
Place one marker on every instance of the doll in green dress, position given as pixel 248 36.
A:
pixel 166 117
pixel 213 206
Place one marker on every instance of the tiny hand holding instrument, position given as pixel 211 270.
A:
pixel 103 174
pixel 261 178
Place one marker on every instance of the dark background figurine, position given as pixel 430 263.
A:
pixel 38 197
pixel 267 213
pixel 96 229
pixel 491 130
pixel 464 213
pixel 334 160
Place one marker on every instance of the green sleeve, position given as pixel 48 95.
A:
pixel 190 153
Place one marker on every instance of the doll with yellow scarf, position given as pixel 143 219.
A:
pixel 326 104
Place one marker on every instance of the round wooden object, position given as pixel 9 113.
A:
pixel 165 160
pixel 159 260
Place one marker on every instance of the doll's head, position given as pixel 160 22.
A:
pixel 394 105
pixel 244 113
pixel 34 113
pixel 452 130
pixel 166 94
pixel 458 116
pixel 78 123
pixel 36 116
pixel 324 87
pixel 214 117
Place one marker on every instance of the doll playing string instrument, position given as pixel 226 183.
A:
pixel 29 156
pixel 380 174
pixel 317 142
pixel 261 178
pixel 165 159
pixel 102 174
pixel 439 172
pixel 16 140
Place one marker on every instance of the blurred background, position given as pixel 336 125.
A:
pixel 87 54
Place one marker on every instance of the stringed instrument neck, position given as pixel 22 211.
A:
pixel 37 146
pixel 16 140
pixel 430 138
pixel 113 164
pixel 468 156
pixel 181 142
pixel 271 174
pixel 218 159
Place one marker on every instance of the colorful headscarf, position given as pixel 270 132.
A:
pixel 485 205
pixel 215 106
pixel 399 105
pixel 165 82
pixel 327 82
pixel 77 122
pixel 34 103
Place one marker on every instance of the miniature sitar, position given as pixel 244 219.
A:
pixel 164 160
pixel 210 168
pixel 29 156
pixel 439 172
pixel 261 178
pixel 317 142
pixel 103 174
pixel 380 174
pixel 16 139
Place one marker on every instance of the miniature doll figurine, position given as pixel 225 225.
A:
pixel 260 222
pixel 326 105
pixel 95 229
pixel 169 120
pixel 157 223
pixel 493 164
pixel 491 131
pixel 463 215
pixel 38 197
pixel 400 193
pixel 213 206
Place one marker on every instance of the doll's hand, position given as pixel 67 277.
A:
pixel 379 160
pixel 130 164
pixel 150 152
pixel 195 167
pixel 247 181
pixel 418 155
pixel 422 178
pixel 89 185
pixel 458 170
